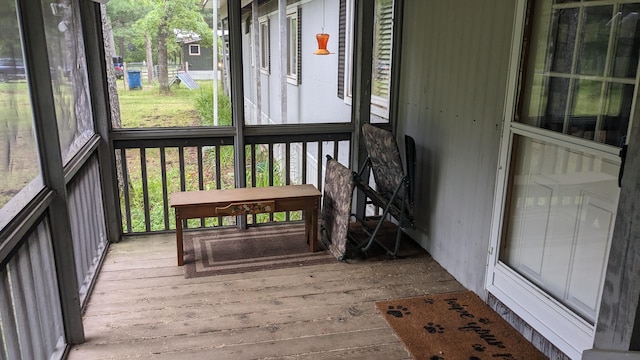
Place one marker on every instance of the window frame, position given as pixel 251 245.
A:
pixel 293 46
pixel 192 47
pixel 264 31
pixel 380 106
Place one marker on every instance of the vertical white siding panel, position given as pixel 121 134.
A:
pixel 11 348
pixel 452 100
pixel 87 223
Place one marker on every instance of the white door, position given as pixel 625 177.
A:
pixel 558 181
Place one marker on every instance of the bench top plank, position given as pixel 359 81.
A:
pixel 239 195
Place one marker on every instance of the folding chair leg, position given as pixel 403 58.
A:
pixel 372 237
pixel 400 224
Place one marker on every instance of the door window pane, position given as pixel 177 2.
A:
pixel 65 48
pixel 626 43
pixel 566 21
pixel 594 43
pixel 586 106
pixel 561 216
pixel 582 68
pixel 19 162
pixel 618 101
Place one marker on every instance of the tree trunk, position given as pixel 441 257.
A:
pixel 147 44
pixel 163 75
pixel 114 102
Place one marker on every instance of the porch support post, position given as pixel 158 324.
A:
pixel 47 136
pixel 237 97
pixel 257 50
pixel 361 109
pixel 94 44
pixel 618 323
pixel 396 52
pixel 284 57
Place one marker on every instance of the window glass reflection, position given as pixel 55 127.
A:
pixel 584 60
pixel 65 47
pixel 19 163
pixel 626 38
pixel 565 37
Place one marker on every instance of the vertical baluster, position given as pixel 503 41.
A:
pixel 254 165
pixel 200 176
pixel 165 190
pixel 183 186
pixel 319 165
pixel 335 150
pixel 287 169
pixel 348 145
pixel 125 188
pixel 145 189
pixel 271 171
pixel 304 162
pixel 218 176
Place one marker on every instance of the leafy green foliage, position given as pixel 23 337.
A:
pixel 124 15
pixel 132 20
pixel 204 106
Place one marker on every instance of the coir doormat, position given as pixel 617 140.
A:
pixel 231 251
pixel 455 326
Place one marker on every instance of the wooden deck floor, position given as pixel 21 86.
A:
pixel 142 307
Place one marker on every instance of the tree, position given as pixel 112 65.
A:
pixel 165 17
pixel 123 15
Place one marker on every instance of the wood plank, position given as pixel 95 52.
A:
pixel 231 292
pixel 306 274
pixel 270 348
pixel 143 307
pixel 150 311
pixel 174 278
pixel 214 339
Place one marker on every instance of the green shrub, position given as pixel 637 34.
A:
pixel 204 106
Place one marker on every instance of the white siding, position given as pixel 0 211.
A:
pixel 455 56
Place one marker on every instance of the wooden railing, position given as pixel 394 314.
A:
pixel 153 165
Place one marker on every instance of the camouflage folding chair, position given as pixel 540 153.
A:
pixel 394 190
pixel 336 207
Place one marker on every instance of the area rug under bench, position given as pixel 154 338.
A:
pixel 264 247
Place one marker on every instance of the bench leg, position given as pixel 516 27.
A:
pixel 311 228
pixel 314 229
pixel 179 241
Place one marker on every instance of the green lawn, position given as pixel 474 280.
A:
pixel 144 108
pixel 18 150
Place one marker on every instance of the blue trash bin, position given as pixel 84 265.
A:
pixel 133 76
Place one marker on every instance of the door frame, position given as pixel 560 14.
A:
pixel 568 331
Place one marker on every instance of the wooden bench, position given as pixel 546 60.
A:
pixel 243 201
